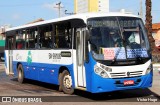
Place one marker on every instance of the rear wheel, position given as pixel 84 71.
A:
pixel 66 82
pixel 60 82
pixel 20 73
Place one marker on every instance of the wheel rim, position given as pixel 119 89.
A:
pixel 19 74
pixel 67 81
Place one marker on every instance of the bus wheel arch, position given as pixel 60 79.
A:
pixel 20 73
pixel 65 81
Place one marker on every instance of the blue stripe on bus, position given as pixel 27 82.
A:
pixel 43 72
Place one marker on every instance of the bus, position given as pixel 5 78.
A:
pixel 2 45
pixel 94 52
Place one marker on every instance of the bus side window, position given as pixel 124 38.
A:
pixel 45 41
pixel 30 38
pixel 63 35
pixel 20 44
pixel 62 43
pixel 31 44
pixel 20 39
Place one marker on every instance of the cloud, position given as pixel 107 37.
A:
pixel 49 6
pixel 16 16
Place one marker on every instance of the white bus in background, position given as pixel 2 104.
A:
pixel 92 52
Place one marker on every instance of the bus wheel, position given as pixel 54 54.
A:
pixel 66 81
pixel 20 73
pixel 60 81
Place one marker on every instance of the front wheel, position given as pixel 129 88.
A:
pixel 66 82
pixel 20 73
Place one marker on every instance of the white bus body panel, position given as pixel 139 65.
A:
pixel 7 62
pixel 134 70
pixel 42 56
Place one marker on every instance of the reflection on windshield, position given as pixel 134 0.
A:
pixel 114 37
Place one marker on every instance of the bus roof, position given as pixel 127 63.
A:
pixel 83 16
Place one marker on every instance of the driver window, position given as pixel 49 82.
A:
pixel 134 38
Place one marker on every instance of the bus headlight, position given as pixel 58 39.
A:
pixel 104 74
pixel 100 72
pixel 97 69
pixel 106 68
pixel 149 69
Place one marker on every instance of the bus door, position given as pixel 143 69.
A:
pixel 9 55
pixel 80 46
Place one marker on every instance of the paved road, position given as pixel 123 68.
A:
pixel 47 92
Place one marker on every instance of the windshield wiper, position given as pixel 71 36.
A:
pixel 121 36
pixel 116 55
pixel 123 40
pixel 139 59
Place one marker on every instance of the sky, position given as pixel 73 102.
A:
pixel 19 12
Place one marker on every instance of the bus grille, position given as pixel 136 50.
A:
pixel 124 74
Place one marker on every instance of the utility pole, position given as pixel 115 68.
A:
pixel 141 9
pixel 59 8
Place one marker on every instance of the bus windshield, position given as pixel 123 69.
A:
pixel 118 38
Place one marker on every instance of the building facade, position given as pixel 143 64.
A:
pixel 156 33
pixel 84 6
pixel 2 30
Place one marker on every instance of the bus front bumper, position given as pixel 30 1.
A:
pixel 100 84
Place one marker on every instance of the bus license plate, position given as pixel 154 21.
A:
pixel 128 82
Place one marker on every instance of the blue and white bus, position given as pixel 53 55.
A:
pixel 94 52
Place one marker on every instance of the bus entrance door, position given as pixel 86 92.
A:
pixel 80 43
pixel 9 55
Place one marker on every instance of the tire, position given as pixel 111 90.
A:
pixel 66 83
pixel 60 82
pixel 20 73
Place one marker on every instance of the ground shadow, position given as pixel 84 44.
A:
pixel 125 95
pixel 37 83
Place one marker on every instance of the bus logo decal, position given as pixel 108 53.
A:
pixel 54 55
pixel 18 57
pixel 50 56
pixel 29 57
pixel 128 74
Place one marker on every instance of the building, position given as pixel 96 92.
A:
pixel 2 30
pixel 83 6
pixel 2 40
pixel 156 33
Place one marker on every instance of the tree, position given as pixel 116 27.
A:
pixel 149 23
